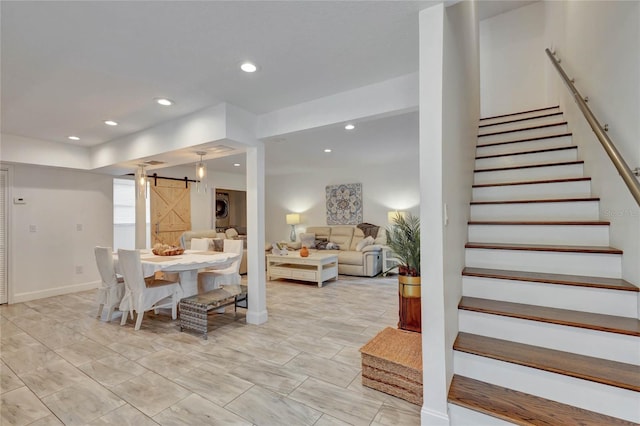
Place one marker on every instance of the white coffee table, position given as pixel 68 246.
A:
pixel 317 267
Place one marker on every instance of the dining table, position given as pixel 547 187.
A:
pixel 186 265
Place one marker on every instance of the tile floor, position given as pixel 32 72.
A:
pixel 61 365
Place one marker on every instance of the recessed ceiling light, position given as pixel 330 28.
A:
pixel 74 138
pixel 164 101
pixel 236 164
pixel 349 127
pixel 248 67
pixel 110 123
pixel 327 150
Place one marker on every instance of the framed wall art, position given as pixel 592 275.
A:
pixel 344 204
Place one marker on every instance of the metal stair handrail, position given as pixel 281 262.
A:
pixel 625 171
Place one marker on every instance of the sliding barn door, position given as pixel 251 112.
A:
pixel 170 211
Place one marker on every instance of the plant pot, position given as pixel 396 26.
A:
pixel 409 303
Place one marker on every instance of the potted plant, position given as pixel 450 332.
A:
pixel 403 238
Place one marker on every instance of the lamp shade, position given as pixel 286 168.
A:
pixel 391 216
pixel 293 218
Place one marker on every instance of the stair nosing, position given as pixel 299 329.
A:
pixel 558 135
pixel 520 119
pixel 544 247
pixel 519 407
pixel 548 320
pixel 538 151
pixel 530 166
pixel 541 200
pixel 520 112
pixel 532 182
pixel 543 354
pixel 524 129
pixel 550 278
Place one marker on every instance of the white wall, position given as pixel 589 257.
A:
pixel 387 187
pixel 598 45
pixel 43 263
pixel 449 111
pixel 512 56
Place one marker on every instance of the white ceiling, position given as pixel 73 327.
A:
pixel 67 66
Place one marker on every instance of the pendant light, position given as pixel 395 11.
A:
pixel 141 181
pixel 201 173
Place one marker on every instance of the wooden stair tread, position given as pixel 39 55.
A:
pixel 521 408
pixel 562 279
pixel 524 129
pixel 545 247
pixel 537 151
pixel 542 200
pixel 529 166
pixel 612 373
pixel 520 112
pixel 535 138
pixel 531 182
pixel 539 222
pixel 588 320
pixel 515 120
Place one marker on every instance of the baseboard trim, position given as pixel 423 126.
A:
pixel 50 292
pixel 430 417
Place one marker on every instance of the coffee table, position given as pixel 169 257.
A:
pixel 317 267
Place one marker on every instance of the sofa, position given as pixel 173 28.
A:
pixel 216 243
pixel 354 256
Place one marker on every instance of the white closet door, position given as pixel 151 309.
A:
pixel 4 206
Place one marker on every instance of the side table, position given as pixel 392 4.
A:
pixel 389 261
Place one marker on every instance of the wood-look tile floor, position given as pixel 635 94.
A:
pixel 61 365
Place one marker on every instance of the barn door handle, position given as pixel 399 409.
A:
pixel 157 228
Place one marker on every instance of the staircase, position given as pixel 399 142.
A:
pixel 549 332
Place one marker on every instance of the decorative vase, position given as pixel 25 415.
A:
pixel 409 302
pixel 304 251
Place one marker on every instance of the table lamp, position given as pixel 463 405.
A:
pixel 293 219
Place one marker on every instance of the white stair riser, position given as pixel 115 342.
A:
pixel 608 400
pixel 510 148
pixel 589 264
pixel 530 122
pixel 521 115
pixel 611 346
pixel 526 159
pixel 574 298
pixel 465 417
pixel 529 173
pixel 523 134
pixel 561 210
pixel 576 235
pixel 534 191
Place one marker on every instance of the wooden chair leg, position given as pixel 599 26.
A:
pixel 99 314
pixel 123 321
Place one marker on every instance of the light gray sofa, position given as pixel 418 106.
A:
pixel 364 263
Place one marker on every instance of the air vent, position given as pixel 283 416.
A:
pixel 154 162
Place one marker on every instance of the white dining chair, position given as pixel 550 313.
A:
pixel 200 244
pixel 144 294
pixel 111 289
pixel 210 279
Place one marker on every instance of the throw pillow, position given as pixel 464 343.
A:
pixel 367 241
pixel 231 233
pixel 308 240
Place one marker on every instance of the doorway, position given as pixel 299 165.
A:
pixel 230 209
